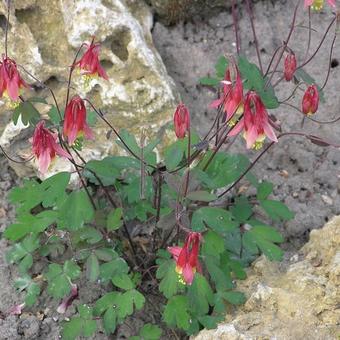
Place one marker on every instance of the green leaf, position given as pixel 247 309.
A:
pixel 169 284
pixel 223 170
pixel 209 321
pixel 50 192
pixel 92 268
pixel 114 219
pixel 89 328
pixel 127 301
pixel 130 140
pixel 26 263
pixel 251 73
pixel 173 156
pixel 91 118
pixel 29 114
pixel 85 312
pixel 264 189
pixel 106 254
pixel 88 234
pixel 218 219
pixel 235 298
pixel 110 320
pixel 242 209
pixel 83 325
pixel 276 210
pixel 263 238
pixel 200 295
pixel 110 269
pixel 104 303
pixel 27 223
pixel 209 81
pixel 176 312
pixel 221 276
pixel 105 169
pixel 202 196
pixel 54 115
pixel 221 66
pixel 123 281
pixel 71 269
pixel 72 329
pixel 213 244
pixel 32 289
pixel 75 211
pixel 59 278
pixel 21 253
pixel 59 287
pixel 150 332
pixel 54 189
pixel 254 80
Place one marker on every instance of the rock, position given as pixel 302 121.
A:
pixel 139 94
pixel 172 11
pixel 297 300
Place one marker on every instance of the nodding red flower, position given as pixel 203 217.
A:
pixel 310 100
pixel 10 79
pixel 318 4
pixel 255 122
pixel 45 146
pixel 232 96
pixel 186 257
pixel 75 121
pixel 181 121
pixel 90 64
pixel 289 66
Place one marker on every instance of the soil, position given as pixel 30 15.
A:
pixel 306 177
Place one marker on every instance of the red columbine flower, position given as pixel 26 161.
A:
pixel 232 97
pixel 90 64
pixel 45 146
pixel 255 122
pixel 318 4
pixel 181 121
pixel 289 66
pixel 310 100
pixel 10 79
pixel 186 257
pixel 75 121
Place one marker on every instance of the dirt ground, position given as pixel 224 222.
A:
pixel 189 50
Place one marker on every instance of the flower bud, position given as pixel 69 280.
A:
pixel 310 100
pixel 181 120
pixel 289 66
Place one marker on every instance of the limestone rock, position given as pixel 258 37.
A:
pixel 44 37
pixel 299 300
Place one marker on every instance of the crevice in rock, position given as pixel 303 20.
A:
pixel 3 22
pixel 107 64
pixel 120 39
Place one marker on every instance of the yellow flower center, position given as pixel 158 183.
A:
pixel 317 5
pixel 11 104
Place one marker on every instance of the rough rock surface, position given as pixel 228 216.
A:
pixel 139 94
pixel 172 11
pixel 296 300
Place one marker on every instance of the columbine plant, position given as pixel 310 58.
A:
pixel 199 233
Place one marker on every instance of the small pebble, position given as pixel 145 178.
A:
pixel 327 199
